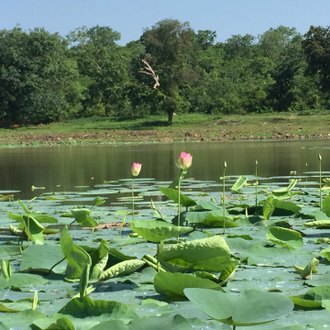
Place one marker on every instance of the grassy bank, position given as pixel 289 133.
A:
pixel 185 127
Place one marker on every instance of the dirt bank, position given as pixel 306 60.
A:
pixel 116 136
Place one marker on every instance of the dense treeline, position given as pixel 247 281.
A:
pixel 46 77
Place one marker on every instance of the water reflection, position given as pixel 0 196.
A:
pixel 89 165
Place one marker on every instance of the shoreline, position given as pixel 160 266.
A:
pixel 141 136
pixel 194 128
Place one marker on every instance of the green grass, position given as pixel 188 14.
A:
pixel 149 123
pixel 184 127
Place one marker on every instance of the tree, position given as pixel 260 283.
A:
pixel 238 45
pixel 104 66
pixel 316 46
pixel 205 38
pixel 169 44
pixel 37 80
pixel 274 41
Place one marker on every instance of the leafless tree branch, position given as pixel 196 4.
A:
pixel 149 71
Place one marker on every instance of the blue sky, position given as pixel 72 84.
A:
pixel 130 17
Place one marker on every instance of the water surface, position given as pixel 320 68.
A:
pixel 63 168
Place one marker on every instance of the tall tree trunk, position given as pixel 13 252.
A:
pixel 170 115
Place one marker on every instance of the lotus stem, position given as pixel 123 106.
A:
pixel 133 199
pixel 157 257
pixel 179 206
pixel 305 173
pixel 71 223
pixel 50 270
pixel 256 174
pixel 223 195
pixel 320 171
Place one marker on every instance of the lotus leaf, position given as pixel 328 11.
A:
pixel 326 253
pixel 156 231
pixel 285 193
pixel 33 229
pixel 250 308
pixel 285 237
pixel 240 182
pixel 85 306
pixel 210 253
pixel 313 297
pixel 82 216
pixel 76 257
pixel 326 206
pixel 19 281
pixel 268 208
pixel 210 219
pixel 20 320
pixel 320 280
pixel 175 283
pixel 16 306
pixel 123 268
pixel 42 258
pixel 173 194
pixel 9 250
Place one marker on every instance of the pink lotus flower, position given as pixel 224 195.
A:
pixel 136 168
pixel 185 160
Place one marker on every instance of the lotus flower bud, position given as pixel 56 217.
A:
pixel 136 168
pixel 185 160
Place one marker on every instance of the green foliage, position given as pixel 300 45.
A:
pixel 249 308
pixel 38 80
pixel 123 268
pixel 156 231
pixel 285 237
pixel 175 283
pixel 46 78
pixel 173 194
pixel 210 254
pixel 76 256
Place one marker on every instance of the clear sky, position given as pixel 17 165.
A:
pixel 131 17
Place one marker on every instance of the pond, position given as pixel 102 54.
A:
pixel 265 256
pixel 66 168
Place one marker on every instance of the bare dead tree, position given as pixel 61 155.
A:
pixel 149 71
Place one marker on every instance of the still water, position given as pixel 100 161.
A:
pixel 64 168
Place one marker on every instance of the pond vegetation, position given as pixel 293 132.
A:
pixel 187 254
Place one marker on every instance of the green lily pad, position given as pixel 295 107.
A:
pixel 175 283
pixel 123 268
pixel 173 194
pixel 76 257
pixel 42 258
pixel 313 297
pixel 20 320
pixel 83 307
pixel 250 308
pixel 15 306
pixel 211 253
pixel 320 280
pixel 156 231
pixel 285 237
pixel 19 281
pixel 285 193
pixel 33 229
pixel 318 224
pixel 241 182
pixel 83 217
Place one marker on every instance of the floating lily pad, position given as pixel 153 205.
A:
pixel 156 231
pixel 285 237
pixel 210 253
pixel 250 308
pixel 175 283
pixel 42 258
